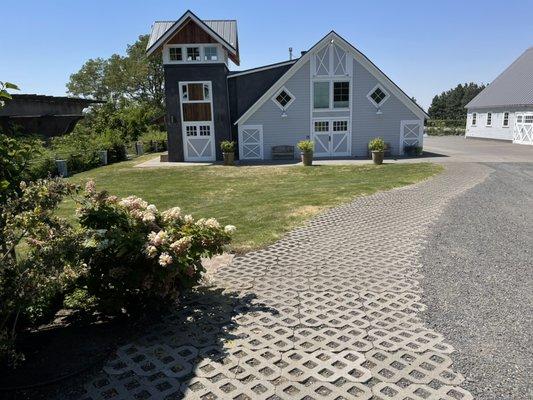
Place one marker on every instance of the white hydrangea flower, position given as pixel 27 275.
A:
pixel 188 219
pixel 172 214
pixel 90 187
pixel 181 245
pixel 151 251
pixel 230 229
pixel 165 259
pixel 152 208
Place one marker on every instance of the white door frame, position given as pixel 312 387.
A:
pixel 330 134
pixel 420 131
pixel 242 144
pixel 185 139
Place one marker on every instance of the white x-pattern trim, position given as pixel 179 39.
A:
pixel 523 131
pixel 251 142
pixel 411 132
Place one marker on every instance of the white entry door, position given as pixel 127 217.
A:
pixel 331 137
pixel 251 142
pixel 523 129
pixel 411 133
pixel 199 141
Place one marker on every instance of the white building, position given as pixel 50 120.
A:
pixel 504 109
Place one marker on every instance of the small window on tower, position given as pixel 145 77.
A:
pixel 175 54
pixel 193 54
pixel 210 54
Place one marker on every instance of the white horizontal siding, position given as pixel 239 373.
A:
pixel 495 131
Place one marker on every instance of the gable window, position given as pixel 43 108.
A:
pixel 489 119
pixel 175 54
pixel 505 120
pixel 321 94
pixel 193 54
pixel 474 118
pixel 341 94
pixel 378 96
pixel 210 53
pixel 283 98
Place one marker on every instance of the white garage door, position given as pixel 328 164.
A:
pixel 523 129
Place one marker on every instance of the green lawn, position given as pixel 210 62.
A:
pixel 263 202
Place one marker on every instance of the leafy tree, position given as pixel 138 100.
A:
pixel 450 105
pixel 133 77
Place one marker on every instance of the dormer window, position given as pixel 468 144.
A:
pixel 175 54
pixel 210 53
pixel 193 54
pixel 283 98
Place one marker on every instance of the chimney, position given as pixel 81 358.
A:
pixel 290 53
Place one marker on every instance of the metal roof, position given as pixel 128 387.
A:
pixel 513 87
pixel 226 29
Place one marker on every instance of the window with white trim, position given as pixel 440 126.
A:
pixel 474 119
pixel 193 54
pixel 321 126
pixel 194 92
pixel 205 130
pixel 210 53
pixel 505 122
pixel 519 118
pixel 489 119
pixel 190 130
pixel 378 96
pixel 321 94
pixel 528 119
pixel 175 54
pixel 283 98
pixel 340 126
pixel 341 94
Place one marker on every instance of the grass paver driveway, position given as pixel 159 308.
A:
pixel 264 202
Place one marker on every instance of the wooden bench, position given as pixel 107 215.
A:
pixel 282 152
pixel 387 150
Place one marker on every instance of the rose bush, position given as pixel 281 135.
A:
pixel 139 258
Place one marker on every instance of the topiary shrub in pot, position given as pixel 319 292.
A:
pixel 228 152
pixel 377 147
pixel 306 147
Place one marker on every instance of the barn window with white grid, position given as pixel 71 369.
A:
pixel 505 119
pixel 340 126
pixel 474 118
pixel 191 130
pixel 205 130
pixel 528 119
pixel 175 53
pixel 489 119
pixel 321 126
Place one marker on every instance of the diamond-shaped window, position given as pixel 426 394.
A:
pixel 283 98
pixel 378 95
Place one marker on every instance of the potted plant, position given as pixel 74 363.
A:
pixel 228 151
pixel 306 147
pixel 377 147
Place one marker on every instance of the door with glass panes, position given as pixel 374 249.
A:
pixel 331 137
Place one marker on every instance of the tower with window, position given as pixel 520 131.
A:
pixel 196 54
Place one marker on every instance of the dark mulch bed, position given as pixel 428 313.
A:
pixel 58 357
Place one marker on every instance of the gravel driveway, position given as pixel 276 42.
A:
pixel 478 267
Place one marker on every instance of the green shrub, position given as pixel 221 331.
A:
pixel 154 140
pixel 227 146
pixel 111 140
pixel 376 144
pixel 138 259
pixel 306 146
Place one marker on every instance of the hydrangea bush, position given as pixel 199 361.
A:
pixel 139 258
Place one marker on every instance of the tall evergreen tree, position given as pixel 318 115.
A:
pixel 451 103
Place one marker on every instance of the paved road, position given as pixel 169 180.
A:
pixel 478 285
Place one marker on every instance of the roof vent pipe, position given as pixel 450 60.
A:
pixel 290 53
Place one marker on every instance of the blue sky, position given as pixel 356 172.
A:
pixel 424 46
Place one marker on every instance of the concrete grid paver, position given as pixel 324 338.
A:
pixel 330 311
